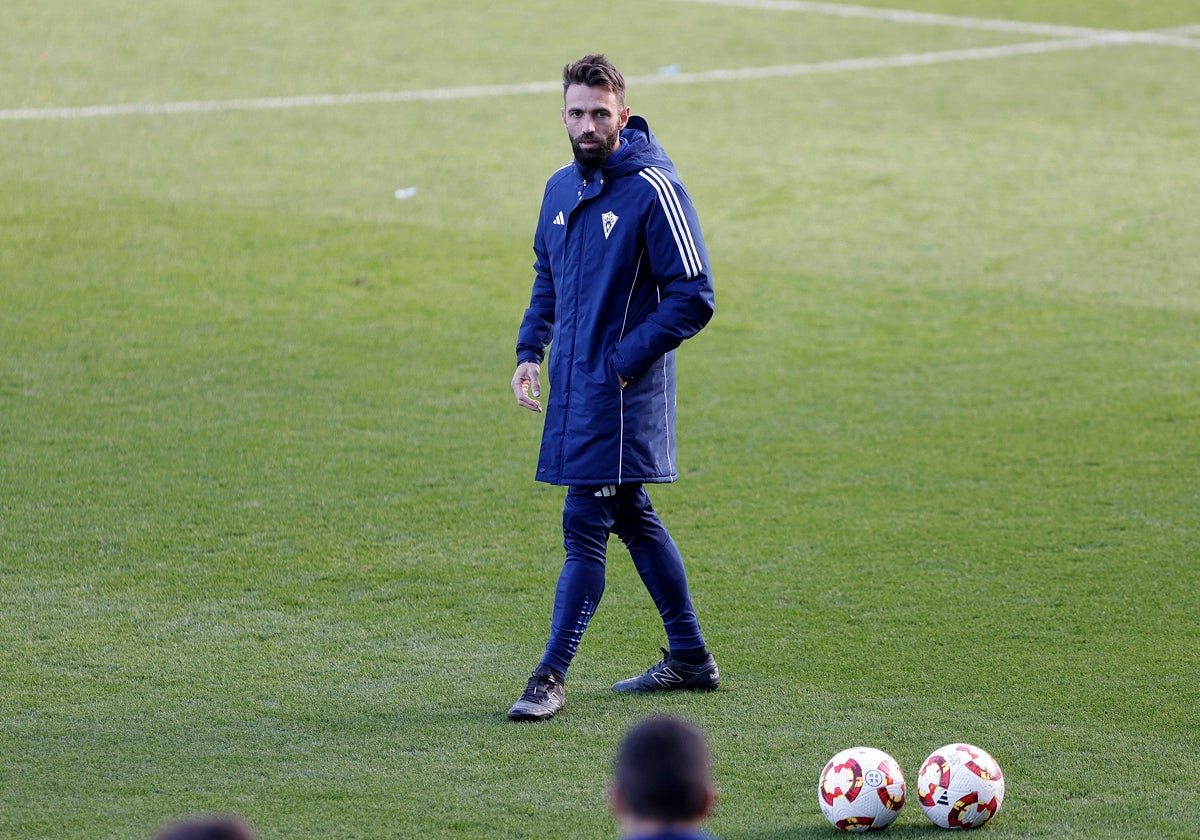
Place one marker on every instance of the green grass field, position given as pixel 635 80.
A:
pixel 269 537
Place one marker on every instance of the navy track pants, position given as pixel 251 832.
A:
pixel 590 514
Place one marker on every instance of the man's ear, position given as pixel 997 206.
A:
pixel 710 802
pixel 624 118
pixel 615 802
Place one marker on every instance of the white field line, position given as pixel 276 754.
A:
pixel 479 91
pixel 1170 37
pixel 1072 38
pixel 273 103
pixel 844 65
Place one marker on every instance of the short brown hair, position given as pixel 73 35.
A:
pixel 594 71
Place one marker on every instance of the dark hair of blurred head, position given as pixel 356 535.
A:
pixel 209 828
pixel 662 771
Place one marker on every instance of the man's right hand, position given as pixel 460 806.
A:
pixel 526 384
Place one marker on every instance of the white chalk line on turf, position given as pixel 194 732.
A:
pixel 1093 38
pixel 274 103
pixel 480 91
pixel 1169 37
pixel 843 65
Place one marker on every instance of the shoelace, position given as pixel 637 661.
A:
pixel 538 684
pixel 666 655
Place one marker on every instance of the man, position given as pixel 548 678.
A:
pixel 622 278
pixel 662 786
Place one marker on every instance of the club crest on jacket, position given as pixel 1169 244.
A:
pixel 610 220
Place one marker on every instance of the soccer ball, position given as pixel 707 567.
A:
pixel 960 786
pixel 861 789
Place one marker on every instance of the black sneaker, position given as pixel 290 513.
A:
pixel 673 675
pixel 543 698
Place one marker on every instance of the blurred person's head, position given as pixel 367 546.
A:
pixel 206 828
pixel 662 777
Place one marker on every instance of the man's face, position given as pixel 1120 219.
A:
pixel 594 118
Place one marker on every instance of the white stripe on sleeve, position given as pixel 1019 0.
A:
pixel 680 230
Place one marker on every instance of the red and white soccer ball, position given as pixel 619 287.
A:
pixel 960 786
pixel 861 789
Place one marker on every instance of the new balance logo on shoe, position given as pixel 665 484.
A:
pixel 666 678
pixel 559 220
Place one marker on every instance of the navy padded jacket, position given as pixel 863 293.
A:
pixel 622 279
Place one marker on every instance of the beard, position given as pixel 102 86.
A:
pixel 594 157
